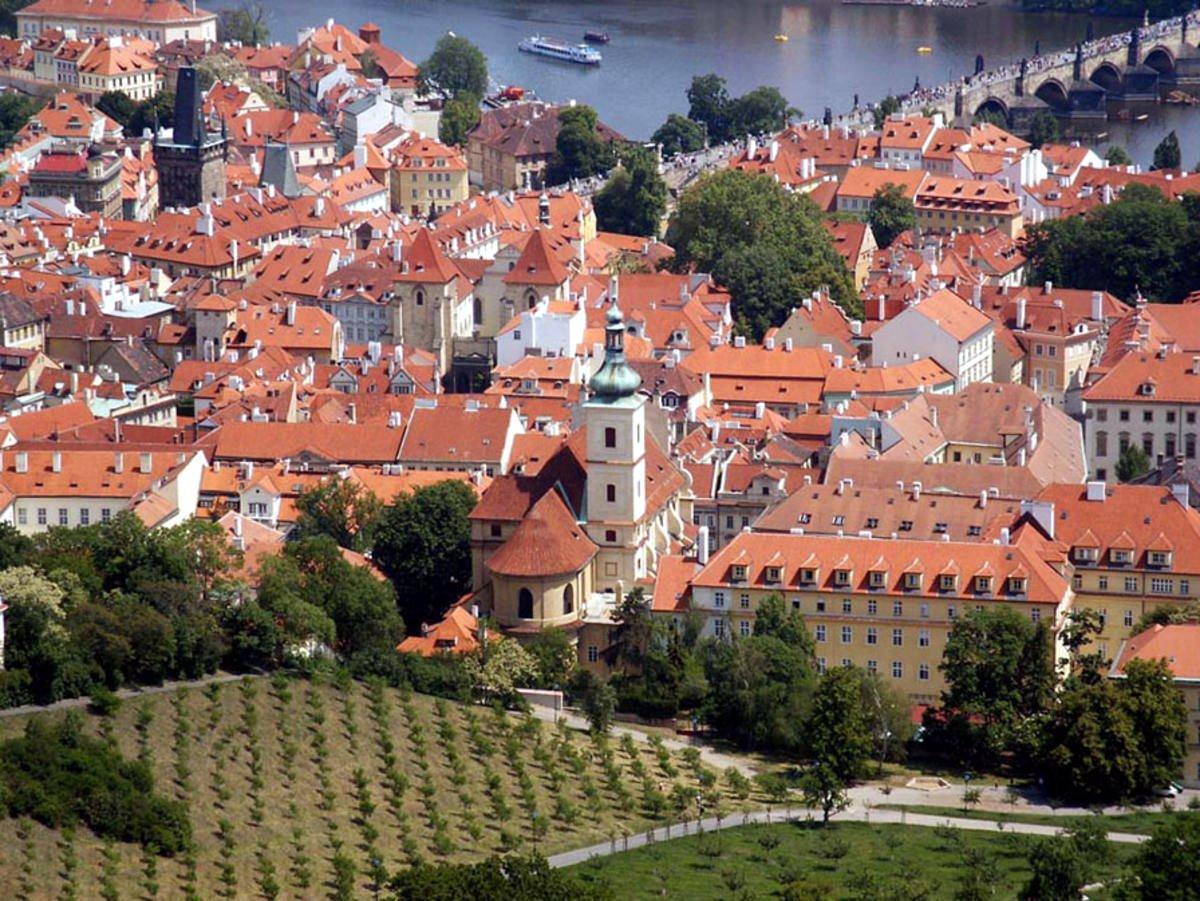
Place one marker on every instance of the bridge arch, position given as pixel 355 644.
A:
pixel 1161 59
pixel 1108 76
pixel 1052 92
pixel 993 105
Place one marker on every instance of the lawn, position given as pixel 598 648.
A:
pixel 843 860
pixel 1139 821
pixel 292 782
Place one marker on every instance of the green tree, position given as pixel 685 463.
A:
pixel 708 104
pixel 455 68
pixel 824 789
pixel 579 150
pixel 891 214
pixel 634 200
pixel 511 878
pixel 118 106
pixel 761 111
pixel 8 15
pixel 245 23
pixel 1059 871
pixel 1116 155
pixel 1166 154
pixel 886 108
pixel 459 115
pixel 1044 128
pixel 340 508
pixel 370 65
pixel 599 702
pixel 1132 462
pixel 158 110
pixel 555 655
pixel 766 245
pixel 423 544
pixel 1167 867
pixel 1159 719
pixel 837 732
pixel 500 667
pixel 889 719
pixel 678 134
pixel 775 617
pixel 991 117
pixel 15 110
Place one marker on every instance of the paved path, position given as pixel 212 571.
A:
pixel 855 814
pixel 126 693
pixel 712 758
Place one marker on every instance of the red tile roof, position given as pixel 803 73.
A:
pixel 548 542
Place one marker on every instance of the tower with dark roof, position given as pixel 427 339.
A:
pixel 191 166
pixel 615 417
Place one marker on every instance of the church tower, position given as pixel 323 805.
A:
pixel 191 166
pixel 615 417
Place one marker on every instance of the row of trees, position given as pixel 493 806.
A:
pixel 716 116
pixel 1142 241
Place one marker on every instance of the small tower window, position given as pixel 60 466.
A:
pixel 569 599
pixel 525 604
pixel 610 437
pixel 610 493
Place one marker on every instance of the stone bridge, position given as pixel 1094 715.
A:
pixel 1077 84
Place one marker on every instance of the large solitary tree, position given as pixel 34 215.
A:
pixel 456 67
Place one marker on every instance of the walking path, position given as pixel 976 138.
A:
pixel 713 758
pixel 126 693
pixel 856 813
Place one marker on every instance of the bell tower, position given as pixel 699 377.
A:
pixel 615 417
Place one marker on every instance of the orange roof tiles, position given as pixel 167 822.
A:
pixel 548 542
pixel 1177 644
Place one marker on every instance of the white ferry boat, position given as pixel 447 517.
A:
pixel 581 54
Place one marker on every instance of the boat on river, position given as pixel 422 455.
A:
pixel 596 37
pixel 580 54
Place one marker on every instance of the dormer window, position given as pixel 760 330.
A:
pixel 1146 389
pixel 983 584
pixel 808 576
pixel 841 577
pixel 774 574
pixel 739 573
pixel 912 581
pixel 1087 555
pixel 947 582
pixel 1016 584
pixel 1120 557
pixel 1159 558
pixel 878 579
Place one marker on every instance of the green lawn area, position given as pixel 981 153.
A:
pixel 1138 821
pixel 844 860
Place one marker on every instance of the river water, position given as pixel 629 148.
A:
pixel 833 50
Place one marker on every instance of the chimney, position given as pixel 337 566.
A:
pixel 22 464
pixel 56 461
pixel 1182 493
pixel 977 296
pixel 118 462
pixel 702 545
pixel 769 343
pixel 1096 491
pixel 291 312
pixel 1098 306
pixel 916 491
pixel 1004 536
pixel 1048 288
pixel 983 498
pixel 1020 312
pixel 145 463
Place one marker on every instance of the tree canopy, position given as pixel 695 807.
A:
pixel 510 878
pixel 634 199
pixel 423 544
pixel 1044 128
pixel 341 509
pixel 1140 242
pixel 245 23
pixel 678 134
pixel 766 245
pixel 1167 154
pixel 15 110
pixel 580 150
pixel 892 213
pixel 455 68
pixel 459 115
pixel 726 118
pixel 1167 867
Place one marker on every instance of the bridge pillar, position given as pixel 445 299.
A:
pixel 1019 85
pixel 958 102
pixel 1077 70
pixel 1135 48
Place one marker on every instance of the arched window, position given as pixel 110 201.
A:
pixel 569 599
pixel 420 297
pixel 478 312
pixel 531 300
pixel 525 604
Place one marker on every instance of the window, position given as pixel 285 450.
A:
pixel 744 601
pixel 610 493
pixel 897 669
pixel 872 607
pixel 872 522
pixel 820 606
pixel 568 599
pixel 839 520
pixel 1162 586
pixel 593 653
pixel 1131 584
pixel 1128 618
pixel 610 436
pixel 610 535
pixel 22 516
pixel 924 611
pixel 821 666
pixel 847 635
pixel 820 634
pixel 41 516
pixel 872 666
pixel 897 638
pixel 847 605
pixel 718 599
pixel 923 672
pixel 1123 415
pixel 719 628
pixel 744 628
pixel 1102 444
pixel 525 604
pixel 1147 416
pixel 1035 614
pixel 85 516
pixel 897 608
pixel 495 530
pixel 906 525
pixel 841 577
pixel 923 638
pixel 62 516
pixel 1184 586
pixel 878 580
pixel 872 635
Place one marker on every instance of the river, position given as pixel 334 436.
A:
pixel 833 50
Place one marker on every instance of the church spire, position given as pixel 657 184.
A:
pixel 616 378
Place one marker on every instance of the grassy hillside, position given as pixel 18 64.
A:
pixel 296 787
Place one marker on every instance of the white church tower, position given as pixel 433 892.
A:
pixel 615 417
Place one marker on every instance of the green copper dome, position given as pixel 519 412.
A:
pixel 616 378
